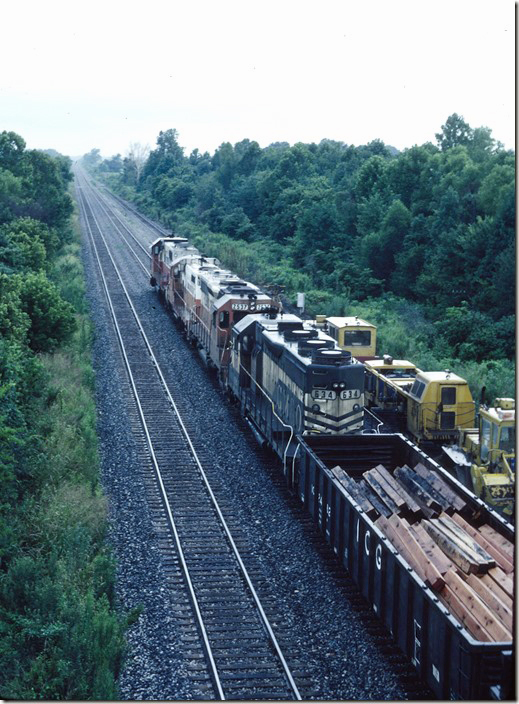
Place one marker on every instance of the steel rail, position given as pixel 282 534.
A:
pixel 224 525
pixel 111 214
pixel 146 220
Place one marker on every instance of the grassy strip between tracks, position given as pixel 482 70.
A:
pixel 60 635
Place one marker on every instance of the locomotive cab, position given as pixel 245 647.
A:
pixel 159 274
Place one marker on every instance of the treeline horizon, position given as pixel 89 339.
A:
pixel 422 241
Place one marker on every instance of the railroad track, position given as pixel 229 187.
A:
pixel 227 629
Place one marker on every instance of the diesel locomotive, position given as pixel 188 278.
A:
pixel 207 299
pixel 289 377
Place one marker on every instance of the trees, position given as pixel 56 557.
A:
pixel 165 158
pixel 51 318
pixel 60 637
pixel 21 251
pixel 12 148
pixel 44 190
pixel 434 223
pixel 92 159
pixel 113 165
pixel 455 132
pixel 35 229
pixel 134 161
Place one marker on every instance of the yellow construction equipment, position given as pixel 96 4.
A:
pixel 351 333
pixel 438 405
pixel 484 458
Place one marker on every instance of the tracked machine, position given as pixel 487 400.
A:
pixel 483 458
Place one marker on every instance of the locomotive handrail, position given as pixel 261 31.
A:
pixel 380 422
pixel 275 414
pixel 192 311
pixel 429 412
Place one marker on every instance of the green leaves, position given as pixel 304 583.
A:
pixel 455 132
pixel 434 223
pixel 32 312
pixel 60 637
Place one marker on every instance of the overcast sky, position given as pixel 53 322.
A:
pixel 105 74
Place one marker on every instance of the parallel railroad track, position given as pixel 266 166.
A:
pixel 242 656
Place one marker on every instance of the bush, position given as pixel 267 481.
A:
pixel 52 318
pixel 60 635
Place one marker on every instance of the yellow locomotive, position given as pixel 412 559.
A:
pixel 351 333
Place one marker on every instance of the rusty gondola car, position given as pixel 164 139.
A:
pixel 454 663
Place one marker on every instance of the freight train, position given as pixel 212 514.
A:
pixel 377 498
pixel 289 377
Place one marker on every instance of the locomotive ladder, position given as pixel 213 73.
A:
pixel 243 655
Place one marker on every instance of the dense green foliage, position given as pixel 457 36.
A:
pixel 430 230
pixel 60 637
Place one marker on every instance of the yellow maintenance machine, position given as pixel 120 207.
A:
pixel 429 406
pixel 351 333
pixel 435 404
pixel 484 459
pixel 436 409
pixel 438 405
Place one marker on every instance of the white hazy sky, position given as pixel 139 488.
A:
pixel 78 75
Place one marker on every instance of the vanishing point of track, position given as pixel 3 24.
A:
pixel 242 654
